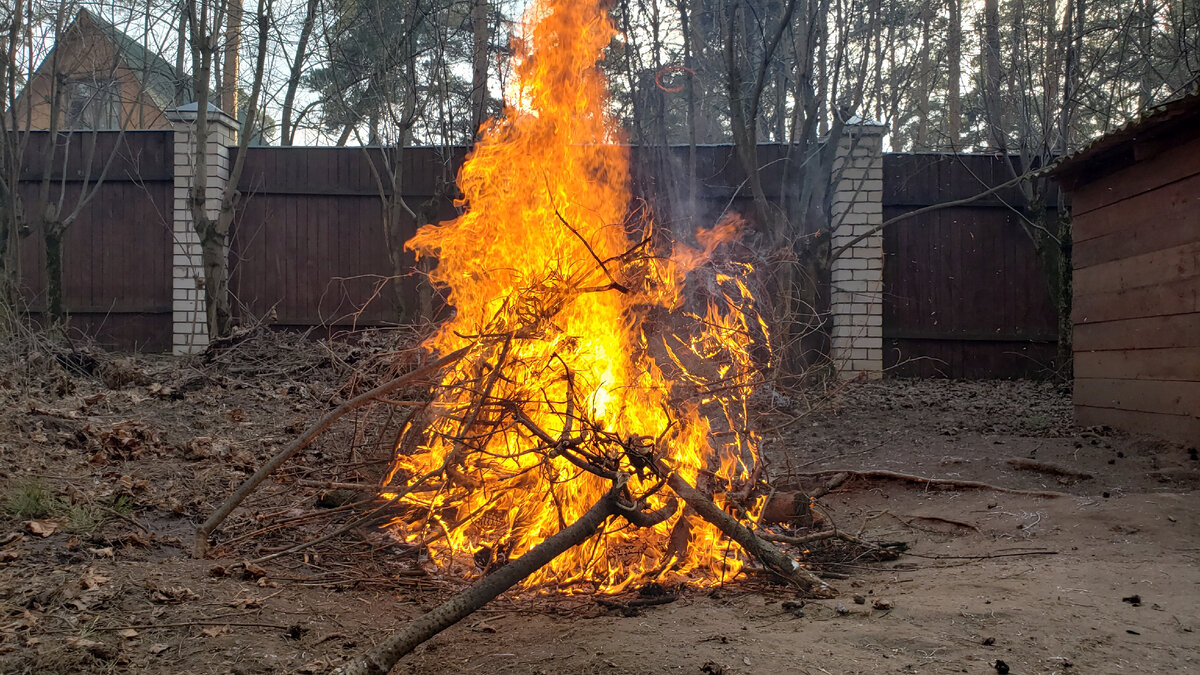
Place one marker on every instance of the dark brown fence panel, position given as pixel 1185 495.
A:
pixel 308 245
pixel 117 253
pixel 964 293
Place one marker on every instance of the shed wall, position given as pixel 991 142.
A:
pixel 1137 296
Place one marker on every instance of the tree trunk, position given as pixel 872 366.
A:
pixel 993 107
pixel 233 44
pixel 287 130
pixel 954 85
pixel 52 235
pixel 215 256
pixel 394 238
pixel 480 40
pixel 924 83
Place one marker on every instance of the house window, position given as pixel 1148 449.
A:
pixel 93 104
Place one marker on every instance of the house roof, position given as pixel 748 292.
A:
pixel 166 85
pixel 1155 129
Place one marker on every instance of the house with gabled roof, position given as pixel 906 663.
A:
pixel 107 81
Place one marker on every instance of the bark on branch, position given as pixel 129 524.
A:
pixel 771 558
pixel 386 655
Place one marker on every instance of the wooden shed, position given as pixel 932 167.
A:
pixel 1135 221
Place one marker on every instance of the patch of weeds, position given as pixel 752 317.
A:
pixel 121 504
pixel 33 499
pixel 82 518
pixel 30 499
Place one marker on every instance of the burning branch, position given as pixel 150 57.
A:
pixel 772 558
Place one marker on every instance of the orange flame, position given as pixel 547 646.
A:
pixel 563 300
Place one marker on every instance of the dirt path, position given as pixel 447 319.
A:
pixel 1044 585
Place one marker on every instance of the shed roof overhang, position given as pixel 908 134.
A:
pixel 1157 129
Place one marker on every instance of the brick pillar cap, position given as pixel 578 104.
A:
pixel 860 121
pixel 189 111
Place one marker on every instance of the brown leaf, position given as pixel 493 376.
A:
pixel 42 528
pixel 106 552
pixel 92 580
pixel 127 633
pixel 158 648
pixel 83 642
pixel 173 595
pixel 247 603
pixel 214 631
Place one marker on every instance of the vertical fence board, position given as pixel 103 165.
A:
pixel 964 294
pixel 117 252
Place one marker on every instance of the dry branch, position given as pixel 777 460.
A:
pixel 772 558
pixel 892 475
pixel 385 656
pixel 200 545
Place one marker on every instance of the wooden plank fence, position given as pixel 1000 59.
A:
pixel 117 254
pixel 1137 293
pixel 964 294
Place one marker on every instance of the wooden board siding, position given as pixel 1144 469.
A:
pixel 1137 296
pixel 117 254
pixel 964 294
pixel 1172 163
pixel 1180 428
pixel 1140 224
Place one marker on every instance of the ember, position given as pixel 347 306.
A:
pixel 577 380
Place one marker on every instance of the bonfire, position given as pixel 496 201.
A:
pixel 589 363
pixel 589 425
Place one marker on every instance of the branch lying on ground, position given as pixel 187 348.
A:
pixel 384 658
pixel 935 481
pixel 771 558
pixel 200 545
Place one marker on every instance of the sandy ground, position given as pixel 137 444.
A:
pixel 1103 579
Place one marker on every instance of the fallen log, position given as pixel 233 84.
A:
pixel 771 558
pixel 200 543
pixel 384 657
pixel 942 482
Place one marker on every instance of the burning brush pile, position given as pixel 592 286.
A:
pixel 596 365
pixel 589 426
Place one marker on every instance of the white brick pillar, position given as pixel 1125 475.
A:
pixel 856 301
pixel 189 318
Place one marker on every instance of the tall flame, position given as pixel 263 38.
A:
pixel 567 309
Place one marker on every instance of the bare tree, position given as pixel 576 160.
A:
pixel 287 131
pixel 205 19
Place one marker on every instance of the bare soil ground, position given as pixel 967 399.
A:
pixel 107 465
